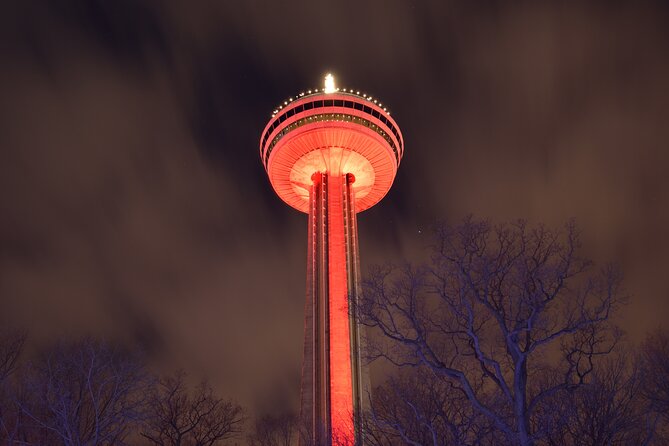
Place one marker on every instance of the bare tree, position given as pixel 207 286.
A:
pixel 655 372
pixel 655 355
pixel 83 393
pixel 494 305
pixel 11 346
pixel 280 430
pixel 608 410
pixel 176 418
pixel 418 408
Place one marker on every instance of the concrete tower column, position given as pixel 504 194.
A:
pixel 332 379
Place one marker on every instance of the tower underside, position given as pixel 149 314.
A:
pixel 333 385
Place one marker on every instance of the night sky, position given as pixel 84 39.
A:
pixel 133 204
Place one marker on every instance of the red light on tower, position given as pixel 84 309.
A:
pixel 332 153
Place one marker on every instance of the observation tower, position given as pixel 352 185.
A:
pixel 332 153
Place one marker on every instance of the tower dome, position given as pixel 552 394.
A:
pixel 335 131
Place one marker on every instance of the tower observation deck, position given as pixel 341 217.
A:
pixel 332 153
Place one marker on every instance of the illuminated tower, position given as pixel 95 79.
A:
pixel 332 153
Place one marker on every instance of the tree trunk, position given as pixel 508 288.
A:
pixel 520 404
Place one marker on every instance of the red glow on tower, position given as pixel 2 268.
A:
pixel 332 153
pixel 341 391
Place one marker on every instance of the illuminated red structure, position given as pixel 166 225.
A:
pixel 332 153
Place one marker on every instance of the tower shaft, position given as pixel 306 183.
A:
pixel 332 384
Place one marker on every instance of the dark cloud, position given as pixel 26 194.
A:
pixel 133 204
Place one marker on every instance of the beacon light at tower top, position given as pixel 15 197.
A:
pixel 335 131
pixel 329 84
